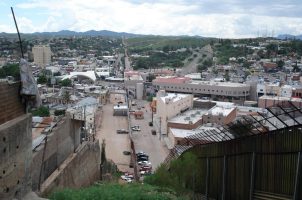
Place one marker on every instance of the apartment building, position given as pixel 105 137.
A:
pixel 42 55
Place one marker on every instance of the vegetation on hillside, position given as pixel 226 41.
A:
pixel 10 70
pixel 161 59
pixel 165 43
pixel 117 191
pixel 180 176
pixel 42 111
pixel 225 50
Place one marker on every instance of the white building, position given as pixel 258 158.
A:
pixel 168 105
pixel 42 55
pixel 211 88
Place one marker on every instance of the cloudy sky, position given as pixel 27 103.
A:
pixel 212 18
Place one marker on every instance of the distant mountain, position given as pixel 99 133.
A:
pixel 88 33
pixel 289 36
pixel 67 33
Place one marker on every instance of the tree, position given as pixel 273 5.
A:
pixel 280 63
pixel 66 82
pixel 66 96
pixel 10 70
pixel 42 79
pixel 42 111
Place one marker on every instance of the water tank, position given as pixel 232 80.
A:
pixel 139 91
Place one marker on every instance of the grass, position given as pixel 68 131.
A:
pixel 113 191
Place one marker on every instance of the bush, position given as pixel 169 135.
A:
pixel 66 82
pixel 180 175
pixel 116 191
pixel 42 111
pixel 59 112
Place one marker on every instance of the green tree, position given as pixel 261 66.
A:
pixel 280 63
pixel 66 96
pixel 42 79
pixel 42 111
pixel 66 82
pixel 10 70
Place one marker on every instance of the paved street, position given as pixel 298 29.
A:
pixel 115 143
pixel 144 140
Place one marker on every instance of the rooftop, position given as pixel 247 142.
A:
pixel 173 97
pixel 190 116
pixel 278 98
pixel 219 110
pixel 182 133
pixel 171 79
pixel 223 84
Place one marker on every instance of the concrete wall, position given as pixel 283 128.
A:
pixel 10 102
pixel 61 142
pixel 79 170
pixel 15 157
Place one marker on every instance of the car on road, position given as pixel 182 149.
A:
pixel 145 167
pixel 126 153
pixel 144 163
pixel 122 131
pixel 153 132
pixel 135 128
pixel 142 159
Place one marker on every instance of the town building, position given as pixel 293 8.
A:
pixel 236 91
pixel 42 55
pixel 168 105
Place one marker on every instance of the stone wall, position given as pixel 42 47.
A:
pixel 15 157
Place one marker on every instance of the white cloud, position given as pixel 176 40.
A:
pixel 205 18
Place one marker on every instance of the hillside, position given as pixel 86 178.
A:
pixel 117 191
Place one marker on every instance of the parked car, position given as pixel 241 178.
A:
pixel 144 163
pixel 153 132
pixel 142 156
pixel 140 153
pixel 145 167
pixel 142 159
pixel 126 153
pixel 122 131
pixel 135 128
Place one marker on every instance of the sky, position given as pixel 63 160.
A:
pixel 209 18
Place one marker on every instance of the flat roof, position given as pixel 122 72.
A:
pixel 219 110
pixel 174 97
pixel 223 84
pixel 191 115
pixel 278 98
pixel 182 133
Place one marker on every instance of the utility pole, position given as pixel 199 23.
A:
pixel 159 128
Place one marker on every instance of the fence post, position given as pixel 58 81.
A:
pixel 297 176
pixel 252 176
pixel 207 179
pixel 223 178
